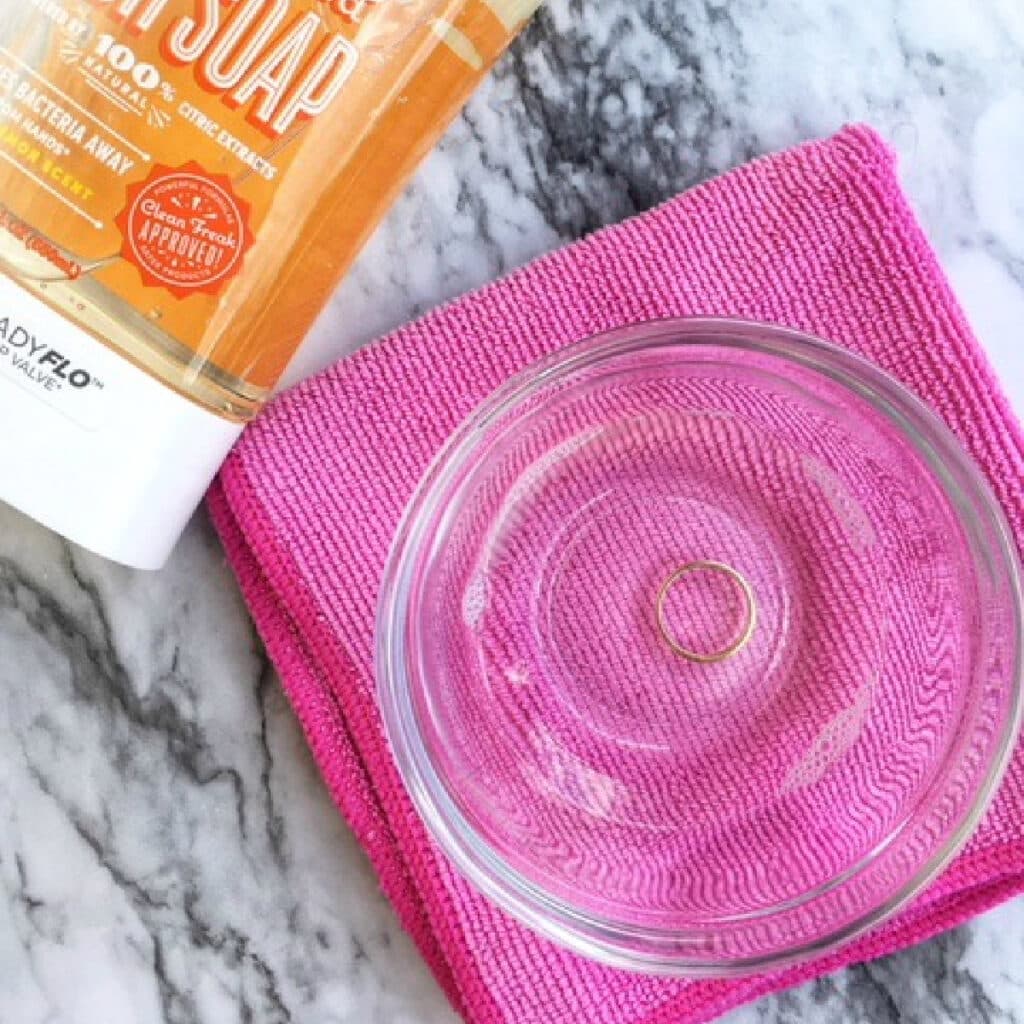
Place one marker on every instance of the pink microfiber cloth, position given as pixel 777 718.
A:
pixel 819 238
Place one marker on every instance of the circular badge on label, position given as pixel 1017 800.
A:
pixel 185 229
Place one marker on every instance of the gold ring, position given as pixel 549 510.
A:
pixel 750 616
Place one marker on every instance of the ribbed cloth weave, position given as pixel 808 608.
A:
pixel 818 238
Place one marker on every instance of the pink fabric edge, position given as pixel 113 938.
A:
pixel 348 779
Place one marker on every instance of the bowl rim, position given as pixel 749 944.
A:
pixel 643 948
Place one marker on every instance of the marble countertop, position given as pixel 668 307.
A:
pixel 168 852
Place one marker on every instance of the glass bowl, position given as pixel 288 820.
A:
pixel 699 647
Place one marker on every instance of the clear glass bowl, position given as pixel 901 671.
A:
pixel 699 647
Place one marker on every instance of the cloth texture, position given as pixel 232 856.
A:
pixel 818 238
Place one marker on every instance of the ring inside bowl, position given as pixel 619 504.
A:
pixel 688 601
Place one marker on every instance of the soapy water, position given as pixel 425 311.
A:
pixel 632 781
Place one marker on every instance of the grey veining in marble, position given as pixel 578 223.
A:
pixel 168 852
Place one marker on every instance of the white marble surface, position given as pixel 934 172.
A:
pixel 167 851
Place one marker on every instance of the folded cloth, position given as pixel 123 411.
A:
pixel 818 238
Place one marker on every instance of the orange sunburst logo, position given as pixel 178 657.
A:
pixel 185 229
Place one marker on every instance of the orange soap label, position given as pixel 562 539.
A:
pixel 189 178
